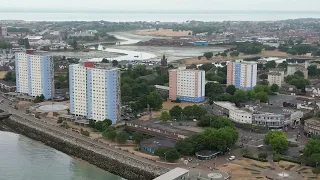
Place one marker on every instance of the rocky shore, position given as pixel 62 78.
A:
pixel 107 159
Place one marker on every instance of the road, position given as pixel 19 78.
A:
pixel 76 137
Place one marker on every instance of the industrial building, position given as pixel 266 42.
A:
pixel 242 74
pixel 187 85
pixel 34 75
pixel 95 91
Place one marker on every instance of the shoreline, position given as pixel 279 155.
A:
pixel 112 161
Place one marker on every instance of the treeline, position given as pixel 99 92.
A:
pixel 5 45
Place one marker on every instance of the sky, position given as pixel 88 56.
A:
pixel 161 5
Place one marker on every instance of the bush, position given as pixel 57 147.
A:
pixel 262 155
pixel 85 133
pixel 254 158
pixel 59 121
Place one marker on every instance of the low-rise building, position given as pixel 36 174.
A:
pixel 159 129
pixel 312 126
pixel 8 86
pixel 150 145
pixel 260 114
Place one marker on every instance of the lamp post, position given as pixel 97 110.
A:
pixel 165 157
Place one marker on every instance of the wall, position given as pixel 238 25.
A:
pixel 111 161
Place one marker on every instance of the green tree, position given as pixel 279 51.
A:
pixel 231 89
pixel 240 96
pixel 122 137
pixel 262 96
pixel 311 147
pixel 234 53
pixel 274 88
pixel 271 135
pixel 106 123
pixel 314 160
pixel 26 43
pixel 175 111
pixel 154 99
pixel 137 137
pixel 115 63
pixel 263 76
pixel 208 55
pixel 10 77
pixel 172 155
pixel 283 65
pixel 165 116
pixel 92 123
pixel 99 126
pixel 221 122
pixel 271 64
pixel 188 111
pixel 207 67
pixel 74 44
pixel 109 133
pixel 213 89
pixel 279 144
pixel 185 147
pixel 312 70
pixel 198 111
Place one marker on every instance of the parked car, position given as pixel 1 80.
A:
pixel 231 158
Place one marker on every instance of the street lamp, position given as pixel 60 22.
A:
pixel 165 157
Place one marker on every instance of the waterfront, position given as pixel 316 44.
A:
pixel 23 158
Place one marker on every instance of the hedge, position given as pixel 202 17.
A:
pixel 289 159
pixel 254 158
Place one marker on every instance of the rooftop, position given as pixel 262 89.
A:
pixel 156 142
pixel 313 121
pixel 162 126
pixel 274 73
pixel 7 83
pixel 173 174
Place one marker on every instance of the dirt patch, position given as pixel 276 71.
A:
pixel 163 32
pixel 24 103
pixel 195 60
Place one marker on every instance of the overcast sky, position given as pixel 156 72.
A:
pixel 159 5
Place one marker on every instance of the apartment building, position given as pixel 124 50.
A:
pixel 187 85
pixel 4 31
pixel 275 78
pixel 242 74
pixel 95 91
pixel 34 75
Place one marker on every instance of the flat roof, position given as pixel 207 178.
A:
pixel 156 124
pixel 226 104
pixel 162 87
pixel 156 142
pixel 173 174
pixel 13 84
pixel 313 121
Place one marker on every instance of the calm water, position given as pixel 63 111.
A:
pixel 24 159
pixel 166 17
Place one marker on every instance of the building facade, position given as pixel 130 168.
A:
pixel 34 75
pixel 4 31
pixel 242 74
pixel 275 78
pixel 187 85
pixel 94 91
pixel 292 68
pixel 312 126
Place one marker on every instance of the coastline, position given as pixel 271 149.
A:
pixel 113 162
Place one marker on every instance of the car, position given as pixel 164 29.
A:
pixel 231 158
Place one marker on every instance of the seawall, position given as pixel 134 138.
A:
pixel 107 159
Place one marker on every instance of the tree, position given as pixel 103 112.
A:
pixel 165 116
pixel 234 53
pixel 221 122
pixel 185 147
pixel 106 123
pixel 172 155
pixel 122 137
pixel 271 135
pixel 271 64
pixel 312 70
pixel 175 111
pixel 231 89
pixel 26 43
pixel 274 88
pixel 213 89
pixel 208 55
pixel 207 67
pixel 115 63
pixel 261 96
pixel 277 157
pixel 109 133
pixel 92 124
pixel 154 99
pixel 198 111
pixel 240 96
pixel 279 144
pixel 263 76
pixel 10 77
pixel 74 44
pixel 316 171
pixel 312 147
pixel 137 137
pixel 99 126
pixel 299 73
pixel 283 65
pixel 314 160
pixel 224 54
pixel 187 111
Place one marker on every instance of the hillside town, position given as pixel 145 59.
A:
pixel 248 109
